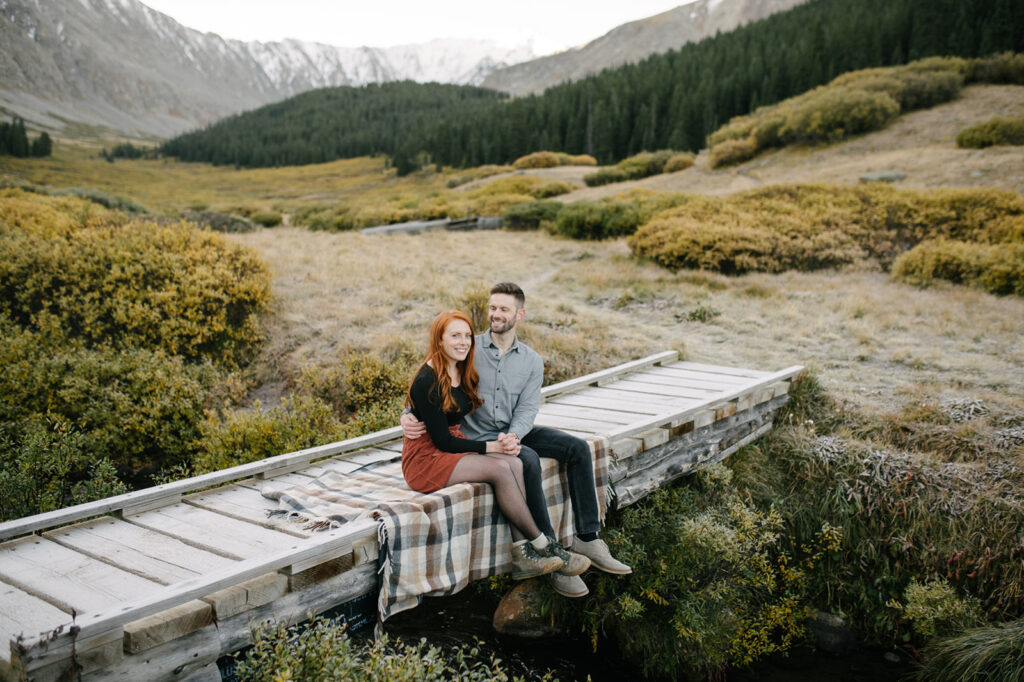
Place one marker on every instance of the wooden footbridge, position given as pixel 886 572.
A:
pixel 160 583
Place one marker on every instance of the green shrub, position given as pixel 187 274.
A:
pixel 552 189
pixel 219 222
pixel 537 160
pixel 102 198
pixel 138 408
pixel 605 176
pixel 597 219
pixel 38 467
pixel 731 152
pixel 853 103
pixel 321 651
pixel 808 227
pixel 935 609
pixel 1006 67
pixel 267 218
pixel 995 131
pixel 243 436
pixel 635 167
pixel 678 162
pixel 94 277
pixel 578 160
pixel 904 516
pixel 711 586
pixel 373 379
pixel 530 215
pixel 996 268
pixel 993 653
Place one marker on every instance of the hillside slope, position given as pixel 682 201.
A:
pixel 922 145
pixel 634 41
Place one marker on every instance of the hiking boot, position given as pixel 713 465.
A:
pixel 600 557
pixel 528 563
pixel 568 585
pixel 574 563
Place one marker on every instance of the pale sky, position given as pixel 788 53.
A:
pixel 553 25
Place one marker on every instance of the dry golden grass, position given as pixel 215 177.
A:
pixel 873 342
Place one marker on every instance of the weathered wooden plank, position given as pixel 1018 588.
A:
pixel 90 656
pixel 666 390
pixel 588 426
pixel 373 456
pixel 138 550
pixel 719 369
pixel 215 532
pixel 591 413
pixel 629 397
pixel 164 597
pixel 65 578
pixel 24 615
pixel 166 626
pixel 702 377
pixel 187 658
pixel 291 478
pixel 244 502
pixel 633 408
pixel 658 421
pixel 665 379
pixel 247 595
pixel 606 374
pixel 139 498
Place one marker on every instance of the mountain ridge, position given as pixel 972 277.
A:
pixel 120 65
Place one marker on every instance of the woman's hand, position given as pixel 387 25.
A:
pixel 509 443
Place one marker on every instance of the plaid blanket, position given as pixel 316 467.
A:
pixel 435 543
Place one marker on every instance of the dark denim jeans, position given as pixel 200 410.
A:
pixel 575 454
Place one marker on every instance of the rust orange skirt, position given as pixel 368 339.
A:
pixel 426 468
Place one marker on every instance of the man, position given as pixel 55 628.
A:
pixel 511 375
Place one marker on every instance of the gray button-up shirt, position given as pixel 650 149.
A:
pixel 510 388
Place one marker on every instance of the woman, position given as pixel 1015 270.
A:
pixel 440 395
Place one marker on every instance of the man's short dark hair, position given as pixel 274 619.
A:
pixel 512 290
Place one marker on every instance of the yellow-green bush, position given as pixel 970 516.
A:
pixel 552 159
pixel 322 651
pixel 853 103
pixel 678 162
pixel 43 466
pixel 93 276
pixel 537 160
pixel 577 160
pixel 936 609
pixel 996 268
pixel 1005 67
pixel 808 227
pixel 243 436
pixel 138 408
pixel 995 131
pixel 731 152
pixel 267 218
pixel 712 586
pixel 638 166
pixel 531 215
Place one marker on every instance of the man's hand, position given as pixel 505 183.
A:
pixel 510 443
pixel 412 428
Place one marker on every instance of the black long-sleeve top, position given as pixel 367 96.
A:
pixel 426 406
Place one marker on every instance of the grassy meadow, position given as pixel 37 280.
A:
pixel 316 328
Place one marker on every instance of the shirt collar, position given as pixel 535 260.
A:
pixel 488 342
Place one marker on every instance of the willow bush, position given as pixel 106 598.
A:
pixel 855 103
pixel 995 131
pixel 638 166
pixel 907 516
pixel 713 585
pixel 106 280
pixel 810 227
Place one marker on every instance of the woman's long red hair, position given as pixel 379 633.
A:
pixel 438 361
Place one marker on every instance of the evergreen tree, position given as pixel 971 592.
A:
pixel 42 145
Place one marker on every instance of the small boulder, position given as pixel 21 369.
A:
pixel 832 633
pixel 519 612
